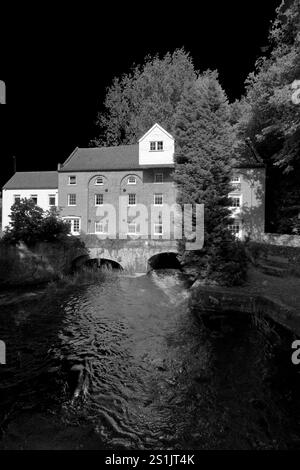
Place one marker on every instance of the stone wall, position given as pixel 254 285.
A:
pixel 21 265
pixel 278 239
pixel 214 301
pixel 132 255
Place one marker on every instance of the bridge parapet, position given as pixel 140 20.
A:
pixel 132 255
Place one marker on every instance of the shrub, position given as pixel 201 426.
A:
pixel 30 224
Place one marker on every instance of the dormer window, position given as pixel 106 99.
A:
pixel 72 179
pixel 131 180
pixel 99 180
pixel 156 145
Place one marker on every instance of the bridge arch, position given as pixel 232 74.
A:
pixel 164 260
pixel 96 261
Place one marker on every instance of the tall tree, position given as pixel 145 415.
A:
pixel 149 93
pixel 272 120
pixel 205 142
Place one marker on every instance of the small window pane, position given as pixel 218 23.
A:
pixel 235 179
pixel 158 199
pixel 52 200
pixel 131 199
pixel 98 199
pixel 132 180
pixel 160 145
pixel 152 145
pixel 131 228
pixel 234 202
pixel 76 225
pixel 158 229
pixel 34 198
pixel 100 227
pixel 158 178
pixel 72 179
pixel 72 199
pixel 17 198
pixel 99 180
pixel 234 228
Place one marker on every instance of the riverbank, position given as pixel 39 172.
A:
pixel 262 294
pixel 63 284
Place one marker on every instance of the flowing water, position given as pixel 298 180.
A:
pixel 126 364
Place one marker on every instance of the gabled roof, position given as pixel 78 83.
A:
pixel 33 180
pixel 158 127
pixel 122 157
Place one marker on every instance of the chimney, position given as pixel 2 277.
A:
pixel 14 163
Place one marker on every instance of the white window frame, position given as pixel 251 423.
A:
pixel 235 179
pixel 162 199
pixel 70 178
pixel 236 223
pixel 49 197
pixel 34 196
pixel 69 197
pixel 234 196
pixel 131 194
pixel 71 220
pixel 101 230
pixel 155 144
pixel 102 181
pixel 17 196
pixel 133 224
pixel 158 224
pixel 98 194
pixel 131 182
pixel 162 178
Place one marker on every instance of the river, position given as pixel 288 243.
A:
pixel 125 364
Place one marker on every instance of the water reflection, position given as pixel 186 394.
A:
pixel 126 364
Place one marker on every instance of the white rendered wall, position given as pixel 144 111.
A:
pixel 8 200
pixel 154 157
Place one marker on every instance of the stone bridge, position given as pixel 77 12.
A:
pixel 132 255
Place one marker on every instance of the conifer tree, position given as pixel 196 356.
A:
pixel 205 141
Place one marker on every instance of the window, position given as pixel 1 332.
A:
pixel 156 146
pixel 235 202
pixel 158 199
pixel 34 198
pixel 100 227
pixel 52 200
pixel 71 199
pixel 131 180
pixel 234 227
pixel 98 199
pixel 72 179
pixel 131 228
pixel 158 229
pixel 99 180
pixel 17 197
pixel 74 224
pixel 235 179
pixel 131 199
pixel 158 178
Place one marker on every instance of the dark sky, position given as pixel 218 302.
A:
pixel 57 65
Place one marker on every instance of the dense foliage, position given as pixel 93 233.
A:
pixel 205 141
pixel 149 93
pixel 270 118
pixel 30 224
